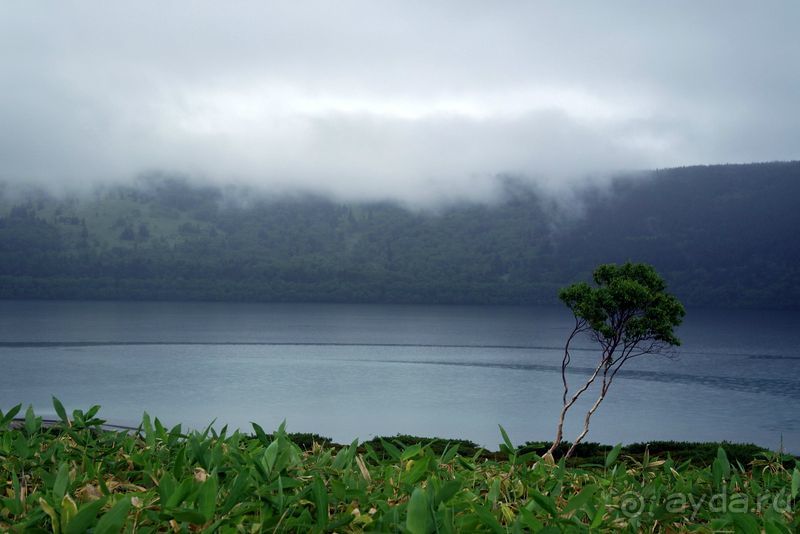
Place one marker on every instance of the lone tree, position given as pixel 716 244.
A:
pixel 628 314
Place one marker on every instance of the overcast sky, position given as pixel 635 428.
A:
pixel 410 100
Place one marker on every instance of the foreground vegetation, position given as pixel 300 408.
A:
pixel 76 475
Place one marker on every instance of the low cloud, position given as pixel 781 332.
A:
pixel 412 101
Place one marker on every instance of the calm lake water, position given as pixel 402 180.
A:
pixel 348 371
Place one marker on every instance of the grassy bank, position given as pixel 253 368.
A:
pixel 75 476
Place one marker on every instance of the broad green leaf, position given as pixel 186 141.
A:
pixel 393 451
pixel 161 432
pixel 149 434
pixel 180 462
pixel 86 517
pixel 21 446
pixel 597 520
pixel 417 471
pixel 411 452
pixel 103 487
pixel 68 511
pixel 529 520
pixel 166 487
pixel 77 418
pixel 447 492
pixel 205 432
pixel 341 521
pixel 449 454
pixel 612 455
pixel 506 440
pixel 795 482
pixel 320 502
pixel 61 482
pixel 240 485
pixel 746 523
pixel 92 411
pixel 494 492
pixel 112 521
pixel 370 454
pixel 15 485
pixel 271 455
pixel 545 502
pixel 489 520
pixel 720 468
pixel 418 516
pixel 260 434
pixel 207 497
pixel 466 464
pixel 189 516
pixel 32 423
pixel 581 499
pixel 770 527
pixel 528 457
pixel 62 413
pixel 180 493
pixel 9 416
pixel 50 511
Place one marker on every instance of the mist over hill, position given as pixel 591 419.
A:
pixel 723 236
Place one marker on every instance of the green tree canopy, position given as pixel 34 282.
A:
pixel 628 307
pixel 628 313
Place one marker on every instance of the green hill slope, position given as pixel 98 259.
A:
pixel 721 235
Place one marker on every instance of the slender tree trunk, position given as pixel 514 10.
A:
pixel 587 419
pixel 568 405
pixel 566 359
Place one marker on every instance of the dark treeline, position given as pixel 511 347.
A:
pixel 722 236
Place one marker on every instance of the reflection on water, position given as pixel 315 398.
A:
pixel 774 386
pixel 365 370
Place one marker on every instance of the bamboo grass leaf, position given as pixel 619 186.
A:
pixel 448 490
pixel 260 434
pixel 411 451
pixel 506 441
pixel 207 498
pixel 9 416
pixel 68 511
pixel 61 482
pixel 613 455
pixel 320 495
pixel 112 521
pixel 393 451
pixel 32 423
pixel 547 503
pixel 189 516
pixel 62 413
pixel 51 512
pixel 86 517
pixel 418 520
pixel 746 523
pixel 449 454
pixel 488 520
pixel 580 500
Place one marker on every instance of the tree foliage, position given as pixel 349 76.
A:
pixel 628 307
pixel 627 313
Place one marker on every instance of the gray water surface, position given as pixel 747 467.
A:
pixel 348 371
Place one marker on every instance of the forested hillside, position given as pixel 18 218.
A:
pixel 721 235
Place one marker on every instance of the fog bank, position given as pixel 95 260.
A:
pixel 416 102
